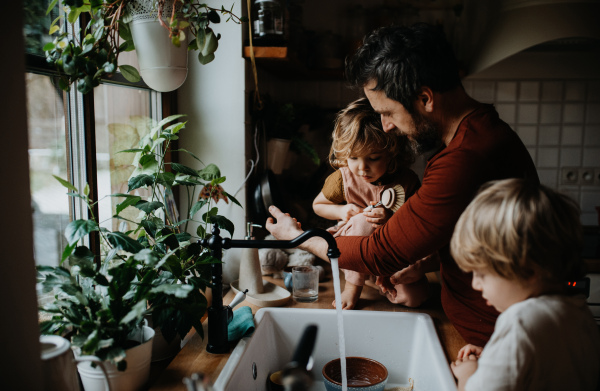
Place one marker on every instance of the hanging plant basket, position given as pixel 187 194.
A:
pixel 163 66
pixel 160 35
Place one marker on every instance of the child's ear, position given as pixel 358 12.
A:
pixel 425 99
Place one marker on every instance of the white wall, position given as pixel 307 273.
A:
pixel 213 98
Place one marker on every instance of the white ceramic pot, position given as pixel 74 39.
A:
pixel 133 378
pixel 163 66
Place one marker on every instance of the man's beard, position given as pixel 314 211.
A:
pixel 425 137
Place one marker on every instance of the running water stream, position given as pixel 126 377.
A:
pixel 335 270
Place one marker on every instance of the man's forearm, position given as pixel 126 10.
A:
pixel 317 246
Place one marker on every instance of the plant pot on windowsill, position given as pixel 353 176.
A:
pixel 93 372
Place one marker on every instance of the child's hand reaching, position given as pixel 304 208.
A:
pixel 466 364
pixel 467 350
pixel 463 369
pixel 378 216
pixel 349 210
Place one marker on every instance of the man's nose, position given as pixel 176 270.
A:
pixel 387 125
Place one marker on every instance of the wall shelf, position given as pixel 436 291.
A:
pixel 266 52
pixel 282 63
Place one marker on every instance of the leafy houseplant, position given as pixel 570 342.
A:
pixel 154 268
pixel 90 53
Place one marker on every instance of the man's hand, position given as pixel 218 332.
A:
pixel 286 227
pixel 386 286
pixel 408 275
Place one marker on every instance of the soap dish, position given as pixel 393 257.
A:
pixel 273 295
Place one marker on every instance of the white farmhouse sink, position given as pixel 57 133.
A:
pixel 405 342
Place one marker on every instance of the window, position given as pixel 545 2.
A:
pixel 77 137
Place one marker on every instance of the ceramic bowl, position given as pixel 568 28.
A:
pixel 363 373
pixel 275 382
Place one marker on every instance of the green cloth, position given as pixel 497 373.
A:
pixel 241 325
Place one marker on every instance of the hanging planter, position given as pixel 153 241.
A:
pixel 162 28
pixel 163 66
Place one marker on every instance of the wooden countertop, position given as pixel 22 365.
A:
pixel 193 357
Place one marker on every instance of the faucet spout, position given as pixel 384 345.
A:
pixel 218 313
pixel 332 251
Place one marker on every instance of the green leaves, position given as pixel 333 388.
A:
pixel 130 200
pixel 180 291
pixel 157 266
pixel 180 168
pixel 77 229
pixel 149 207
pixel 88 61
pixel 51 6
pixel 130 73
pixel 66 184
pixel 223 223
pixel 124 242
pixel 210 172
pixel 207 43
pixel 139 181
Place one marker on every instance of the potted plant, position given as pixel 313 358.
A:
pixel 103 309
pixel 86 55
pixel 153 268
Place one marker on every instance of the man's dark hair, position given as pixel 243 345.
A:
pixel 402 60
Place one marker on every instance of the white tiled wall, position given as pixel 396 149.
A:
pixel 559 122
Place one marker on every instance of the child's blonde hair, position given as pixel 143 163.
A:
pixel 358 131
pixel 516 228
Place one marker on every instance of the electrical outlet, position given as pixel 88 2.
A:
pixel 569 175
pixel 586 176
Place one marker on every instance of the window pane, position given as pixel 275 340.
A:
pixel 47 157
pixel 36 25
pixel 122 117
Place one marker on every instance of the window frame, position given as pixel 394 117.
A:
pixel 81 147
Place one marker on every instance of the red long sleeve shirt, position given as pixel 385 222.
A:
pixel 484 148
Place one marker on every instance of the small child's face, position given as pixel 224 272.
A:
pixel 370 167
pixel 498 291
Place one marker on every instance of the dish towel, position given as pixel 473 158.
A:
pixel 241 325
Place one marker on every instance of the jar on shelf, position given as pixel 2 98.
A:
pixel 267 23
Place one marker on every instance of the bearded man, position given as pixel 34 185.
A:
pixel 411 78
